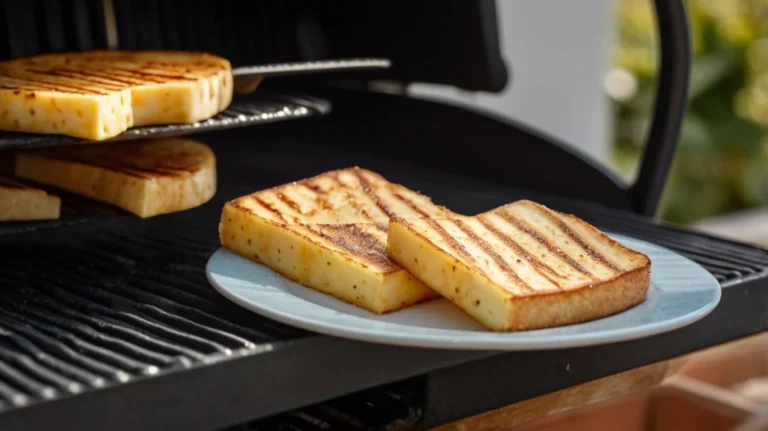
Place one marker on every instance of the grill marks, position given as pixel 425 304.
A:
pixel 351 196
pixel 592 252
pixel 30 84
pixel 540 267
pixel 345 210
pixel 289 202
pixel 359 242
pixel 486 248
pixel 140 160
pixel 511 219
pixel 97 77
pixel 98 73
pixel 32 81
pixel 450 241
pixel 410 204
pixel 84 80
pixel 394 200
pixel 272 210
pixel 522 248
pixel 372 194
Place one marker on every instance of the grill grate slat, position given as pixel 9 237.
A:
pixel 65 351
pixel 26 383
pixel 142 323
pixel 13 396
pixel 38 370
pixel 79 374
pixel 113 336
pixel 71 334
pixel 143 341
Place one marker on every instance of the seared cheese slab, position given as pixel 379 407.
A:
pixel 19 202
pixel 97 95
pixel 329 233
pixel 522 266
pixel 146 178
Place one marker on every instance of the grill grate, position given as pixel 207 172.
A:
pixel 98 305
pixel 74 320
pixel 264 107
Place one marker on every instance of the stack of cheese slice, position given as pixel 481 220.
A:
pixel 97 95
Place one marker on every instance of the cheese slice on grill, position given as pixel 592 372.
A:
pixel 97 95
pixel 20 202
pixel 522 266
pixel 329 233
pixel 146 178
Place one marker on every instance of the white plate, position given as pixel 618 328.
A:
pixel 681 293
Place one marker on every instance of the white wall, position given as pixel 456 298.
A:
pixel 558 52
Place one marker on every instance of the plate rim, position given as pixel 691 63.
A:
pixel 493 341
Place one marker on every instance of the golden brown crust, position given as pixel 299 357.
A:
pixel 580 305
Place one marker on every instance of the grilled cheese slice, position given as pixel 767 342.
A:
pixel 146 178
pixel 329 233
pixel 19 202
pixel 97 95
pixel 522 266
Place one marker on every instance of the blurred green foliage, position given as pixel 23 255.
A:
pixel 722 160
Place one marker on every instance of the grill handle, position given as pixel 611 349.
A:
pixel 669 109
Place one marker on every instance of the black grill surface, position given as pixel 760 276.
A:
pixel 124 300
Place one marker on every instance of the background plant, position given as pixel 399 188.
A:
pixel 722 159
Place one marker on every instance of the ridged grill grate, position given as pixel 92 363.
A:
pixel 74 320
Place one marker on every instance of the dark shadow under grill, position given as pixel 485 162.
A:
pixel 100 305
pixel 393 407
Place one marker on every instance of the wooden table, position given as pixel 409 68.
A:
pixel 625 383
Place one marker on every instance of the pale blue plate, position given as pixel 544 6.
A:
pixel 681 293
